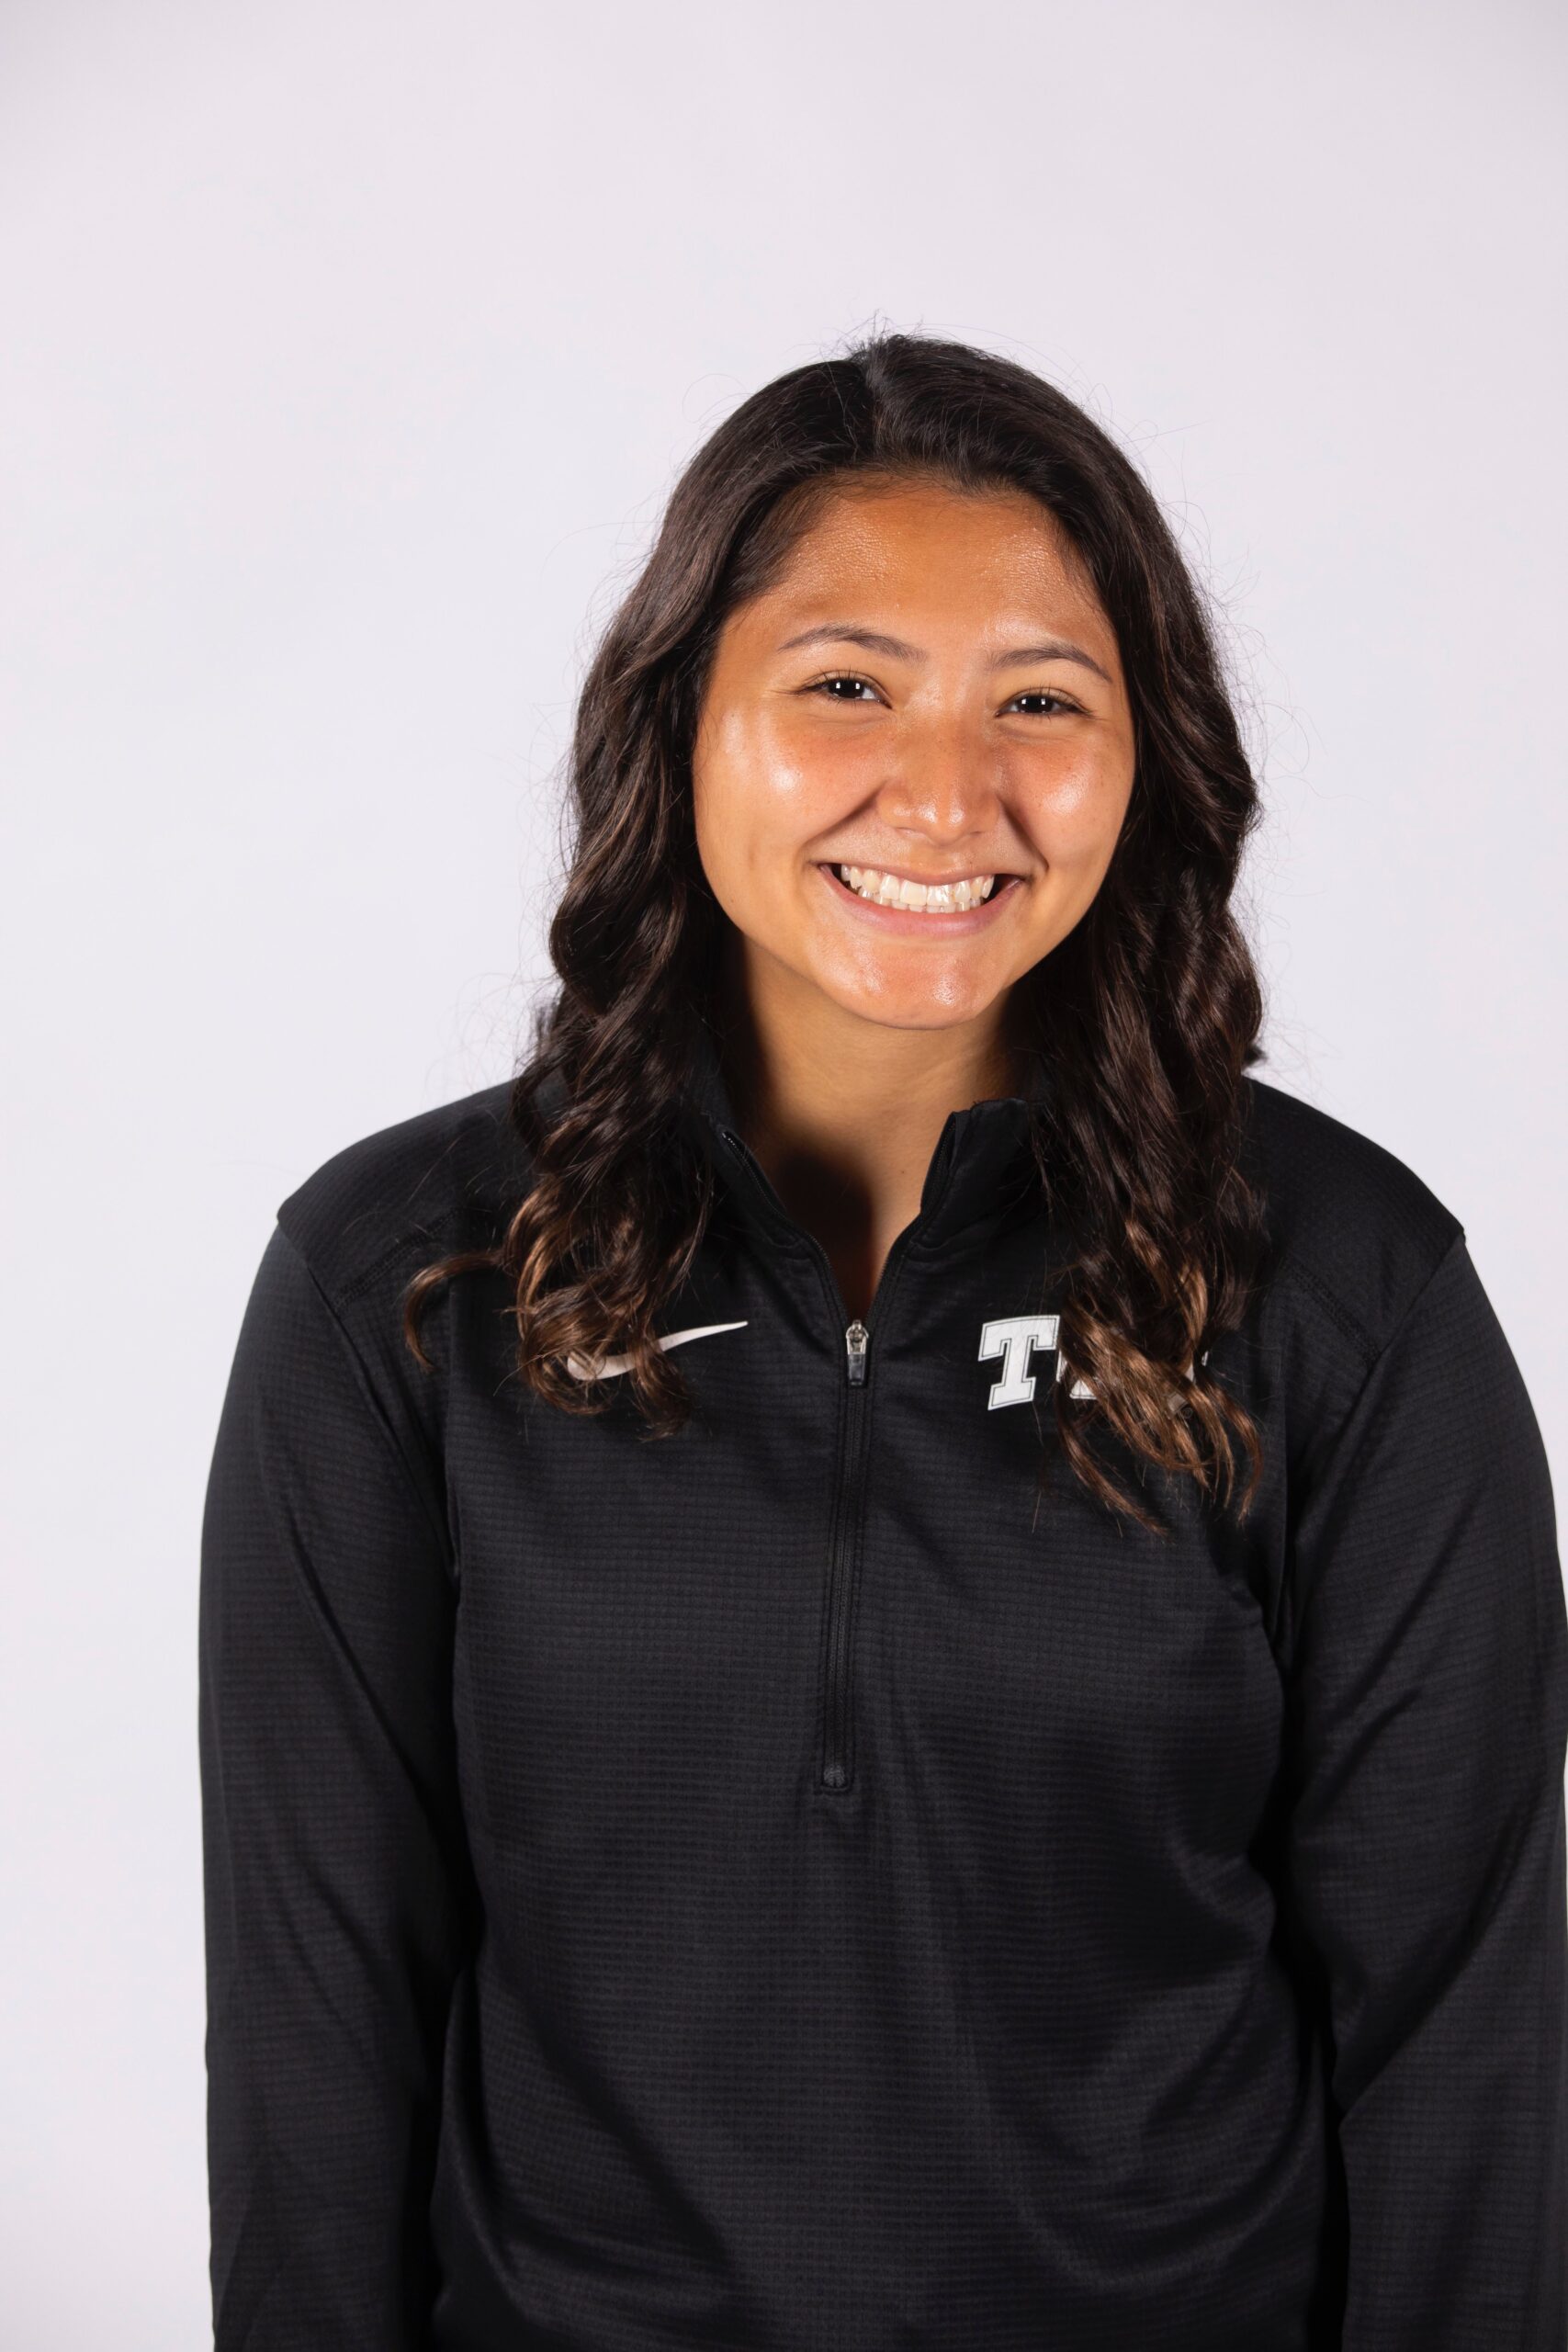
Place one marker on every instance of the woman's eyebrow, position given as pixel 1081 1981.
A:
pixel 872 640
pixel 1054 648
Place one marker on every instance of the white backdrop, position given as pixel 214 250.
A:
pixel 350 349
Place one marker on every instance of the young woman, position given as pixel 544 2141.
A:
pixel 883 1661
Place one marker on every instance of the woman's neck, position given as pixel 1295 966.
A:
pixel 844 1113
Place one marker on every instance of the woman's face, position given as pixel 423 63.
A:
pixel 929 695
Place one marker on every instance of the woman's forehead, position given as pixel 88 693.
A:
pixel 925 548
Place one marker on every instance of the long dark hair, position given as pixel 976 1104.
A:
pixel 1148 1011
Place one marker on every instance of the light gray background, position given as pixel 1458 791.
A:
pixel 349 353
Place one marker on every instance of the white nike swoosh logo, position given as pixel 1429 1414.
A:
pixel 608 1366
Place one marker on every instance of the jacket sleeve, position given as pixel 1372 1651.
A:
pixel 334 1890
pixel 1428 1714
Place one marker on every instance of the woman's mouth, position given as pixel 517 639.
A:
pixel 957 902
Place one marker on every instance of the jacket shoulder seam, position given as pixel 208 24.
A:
pixel 390 1438
pixel 1348 1326
pixel 368 1275
pixel 1406 1316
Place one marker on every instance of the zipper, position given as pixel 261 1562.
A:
pixel 836 1762
pixel 843 1562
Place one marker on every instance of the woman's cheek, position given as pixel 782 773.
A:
pixel 1072 814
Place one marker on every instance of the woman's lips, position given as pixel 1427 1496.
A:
pixel 914 922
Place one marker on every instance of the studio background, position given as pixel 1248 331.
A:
pixel 350 352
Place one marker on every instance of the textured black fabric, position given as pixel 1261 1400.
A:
pixel 788 1887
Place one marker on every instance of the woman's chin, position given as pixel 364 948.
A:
pixel 896 1000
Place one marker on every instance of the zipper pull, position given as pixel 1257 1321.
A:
pixel 855 1338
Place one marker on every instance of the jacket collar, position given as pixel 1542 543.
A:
pixel 982 1167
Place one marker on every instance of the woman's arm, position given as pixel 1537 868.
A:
pixel 1429 1713
pixel 335 1886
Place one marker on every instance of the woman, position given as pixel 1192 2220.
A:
pixel 882 1654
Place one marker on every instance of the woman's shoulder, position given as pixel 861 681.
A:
pixel 440 1179
pixel 1353 1230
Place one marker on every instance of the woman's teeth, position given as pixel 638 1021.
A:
pixel 933 898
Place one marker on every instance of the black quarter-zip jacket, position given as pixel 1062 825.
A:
pixel 791 1887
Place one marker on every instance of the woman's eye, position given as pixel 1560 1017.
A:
pixel 1044 695
pixel 844 686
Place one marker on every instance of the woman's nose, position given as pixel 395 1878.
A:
pixel 940 782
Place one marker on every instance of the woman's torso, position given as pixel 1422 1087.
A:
pixel 879 1937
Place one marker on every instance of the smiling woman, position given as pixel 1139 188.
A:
pixel 883 1661
pixel 911 614
pixel 969 759
pixel 987 758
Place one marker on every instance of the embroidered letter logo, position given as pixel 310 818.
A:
pixel 1013 1338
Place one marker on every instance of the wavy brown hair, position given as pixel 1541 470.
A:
pixel 1148 1013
